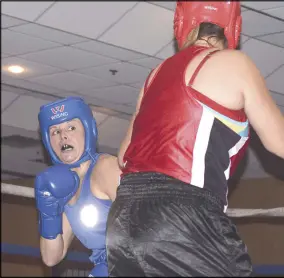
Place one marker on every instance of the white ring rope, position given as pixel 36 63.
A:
pixel 17 190
pixel 275 212
pixel 234 212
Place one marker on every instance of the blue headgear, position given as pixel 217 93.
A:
pixel 65 110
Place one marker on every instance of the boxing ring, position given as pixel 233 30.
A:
pixel 28 192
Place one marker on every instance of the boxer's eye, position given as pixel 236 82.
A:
pixel 55 132
pixel 71 128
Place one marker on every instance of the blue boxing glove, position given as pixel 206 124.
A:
pixel 54 187
pixel 100 270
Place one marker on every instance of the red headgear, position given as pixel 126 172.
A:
pixel 226 14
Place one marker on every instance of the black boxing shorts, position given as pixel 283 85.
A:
pixel 159 226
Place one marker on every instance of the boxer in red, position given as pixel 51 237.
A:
pixel 189 132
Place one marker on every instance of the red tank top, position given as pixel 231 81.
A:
pixel 184 134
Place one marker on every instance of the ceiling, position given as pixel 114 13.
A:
pixel 103 51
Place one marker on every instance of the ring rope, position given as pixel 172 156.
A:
pixel 25 191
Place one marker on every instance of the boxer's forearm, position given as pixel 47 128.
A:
pixel 52 250
pixel 125 143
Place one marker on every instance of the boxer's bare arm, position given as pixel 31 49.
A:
pixel 105 177
pixel 245 88
pixel 126 141
pixel 54 250
pixel 261 110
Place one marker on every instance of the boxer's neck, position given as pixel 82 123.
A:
pixel 209 42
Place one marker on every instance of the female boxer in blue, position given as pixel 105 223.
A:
pixel 75 194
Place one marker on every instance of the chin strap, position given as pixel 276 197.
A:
pixel 94 156
pixel 90 155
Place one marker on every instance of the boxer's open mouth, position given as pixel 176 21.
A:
pixel 66 148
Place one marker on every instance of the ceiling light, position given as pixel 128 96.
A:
pixel 16 69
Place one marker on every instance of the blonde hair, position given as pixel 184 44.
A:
pixel 191 38
pixel 206 29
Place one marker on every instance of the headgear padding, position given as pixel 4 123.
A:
pixel 225 14
pixel 66 110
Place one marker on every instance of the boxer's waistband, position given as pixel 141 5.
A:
pixel 149 185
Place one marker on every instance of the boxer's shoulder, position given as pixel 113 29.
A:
pixel 104 163
pixel 228 56
pixel 106 160
pixel 219 65
pixel 108 166
pixel 105 176
pixel 236 62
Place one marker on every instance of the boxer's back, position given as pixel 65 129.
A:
pixel 190 137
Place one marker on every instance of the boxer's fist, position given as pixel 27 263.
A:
pixel 54 187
